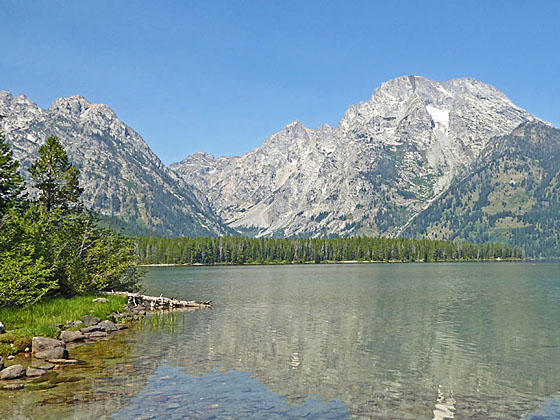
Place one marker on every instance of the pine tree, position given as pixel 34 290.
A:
pixel 55 177
pixel 11 181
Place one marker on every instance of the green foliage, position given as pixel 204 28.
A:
pixel 55 177
pixel 11 181
pixel 238 250
pixel 512 195
pixel 52 246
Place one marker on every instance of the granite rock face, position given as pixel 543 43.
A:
pixel 387 160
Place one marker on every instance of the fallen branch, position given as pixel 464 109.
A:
pixel 154 302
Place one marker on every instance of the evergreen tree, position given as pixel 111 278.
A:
pixel 11 181
pixel 55 177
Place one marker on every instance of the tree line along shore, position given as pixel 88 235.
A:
pixel 243 250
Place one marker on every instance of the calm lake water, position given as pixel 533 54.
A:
pixel 376 341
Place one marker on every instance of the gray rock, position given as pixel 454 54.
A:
pixel 90 320
pixel 100 300
pixel 87 330
pixel 69 336
pixel 12 372
pixel 32 372
pixel 39 344
pixel 107 326
pixel 54 353
pixel 13 387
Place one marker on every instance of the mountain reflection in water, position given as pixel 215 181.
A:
pixel 171 394
pixel 378 341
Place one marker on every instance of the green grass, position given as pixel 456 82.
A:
pixel 40 319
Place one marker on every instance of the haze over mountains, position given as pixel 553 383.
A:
pixel 391 161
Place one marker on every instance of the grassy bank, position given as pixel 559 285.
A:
pixel 42 318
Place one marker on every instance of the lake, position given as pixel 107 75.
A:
pixel 372 341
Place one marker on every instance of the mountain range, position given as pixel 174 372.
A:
pixel 418 158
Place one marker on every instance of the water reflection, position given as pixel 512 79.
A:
pixel 172 394
pixel 469 341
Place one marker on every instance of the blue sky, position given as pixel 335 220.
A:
pixel 221 76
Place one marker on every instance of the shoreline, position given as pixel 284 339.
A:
pixel 497 260
pixel 36 367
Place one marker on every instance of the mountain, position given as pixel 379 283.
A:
pixel 122 178
pixel 511 195
pixel 387 160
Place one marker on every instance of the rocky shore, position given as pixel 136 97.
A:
pixel 51 354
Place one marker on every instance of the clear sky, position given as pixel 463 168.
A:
pixel 221 76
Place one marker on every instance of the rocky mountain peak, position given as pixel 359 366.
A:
pixel 389 157
pixel 70 106
pixel 122 178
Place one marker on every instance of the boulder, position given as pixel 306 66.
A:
pixel 90 320
pixel 39 344
pixel 54 353
pixel 100 300
pixel 33 373
pixel 12 372
pixel 87 330
pixel 107 326
pixel 69 336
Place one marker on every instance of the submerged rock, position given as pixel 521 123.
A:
pixel 33 373
pixel 98 334
pixel 12 372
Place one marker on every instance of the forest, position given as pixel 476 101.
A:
pixel 243 250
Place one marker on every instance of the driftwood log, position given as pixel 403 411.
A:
pixel 155 302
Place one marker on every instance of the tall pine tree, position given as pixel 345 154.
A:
pixel 55 177
pixel 11 181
